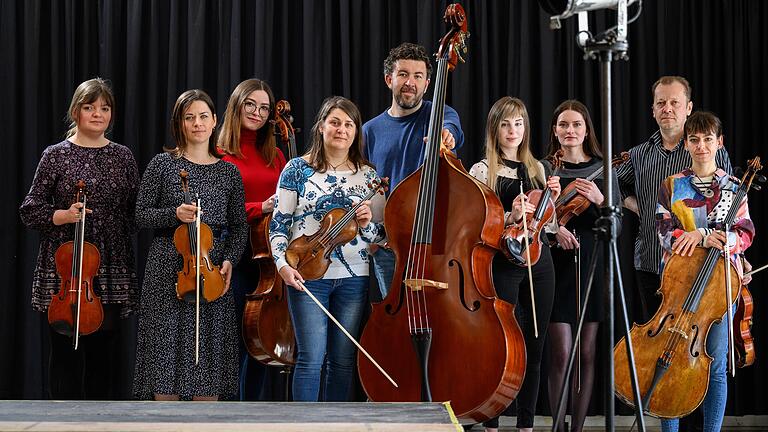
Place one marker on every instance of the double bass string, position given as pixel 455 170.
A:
pixel 423 227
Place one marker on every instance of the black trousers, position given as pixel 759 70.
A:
pixel 512 285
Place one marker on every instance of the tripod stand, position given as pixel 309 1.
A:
pixel 607 48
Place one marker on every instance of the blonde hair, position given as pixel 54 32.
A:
pixel 88 92
pixel 504 108
pixel 229 137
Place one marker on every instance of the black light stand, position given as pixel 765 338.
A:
pixel 608 47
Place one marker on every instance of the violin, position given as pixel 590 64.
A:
pixel 199 281
pixel 513 239
pixel 743 342
pixel 311 255
pixel 671 361
pixel 441 329
pixel 76 309
pixel 267 328
pixel 571 203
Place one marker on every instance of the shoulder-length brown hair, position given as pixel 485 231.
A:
pixel 86 93
pixel 504 108
pixel 229 137
pixel 316 152
pixel 183 103
pixel 591 146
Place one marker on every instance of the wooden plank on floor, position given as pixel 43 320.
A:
pixel 147 416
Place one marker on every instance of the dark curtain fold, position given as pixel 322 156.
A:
pixel 152 50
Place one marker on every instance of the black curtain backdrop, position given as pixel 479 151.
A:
pixel 308 50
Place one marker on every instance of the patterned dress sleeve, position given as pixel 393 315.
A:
pixel 743 230
pixel 37 209
pixel 291 183
pixel 148 215
pixel 133 190
pixel 237 223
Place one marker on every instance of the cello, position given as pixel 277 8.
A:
pixel 267 328
pixel 76 309
pixel 670 357
pixel 442 314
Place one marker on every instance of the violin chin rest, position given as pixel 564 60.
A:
pixel 513 249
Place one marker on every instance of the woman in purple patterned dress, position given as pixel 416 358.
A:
pixel 111 178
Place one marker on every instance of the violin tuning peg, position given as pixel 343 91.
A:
pixel 756 187
pixel 761 178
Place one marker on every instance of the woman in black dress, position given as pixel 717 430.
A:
pixel 509 163
pixel 165 356
pixel 572 131
pixel 111 177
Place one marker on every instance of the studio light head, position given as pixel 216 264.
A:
pixel 562 9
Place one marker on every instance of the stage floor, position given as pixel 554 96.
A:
pixel 224 416
pixel 147 416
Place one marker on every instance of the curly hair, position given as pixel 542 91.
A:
pixel 406 51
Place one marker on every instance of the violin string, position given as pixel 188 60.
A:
pixel 341 223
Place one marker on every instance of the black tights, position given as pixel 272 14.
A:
pixel 88 372
pixel 560 342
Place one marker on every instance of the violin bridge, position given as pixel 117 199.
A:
pixel 419 284
pixel 678 331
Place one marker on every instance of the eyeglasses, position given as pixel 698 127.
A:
pixel 250 108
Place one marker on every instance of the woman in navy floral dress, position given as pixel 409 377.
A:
pixel 111 178
pixel 165 357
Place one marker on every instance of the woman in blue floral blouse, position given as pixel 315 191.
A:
pixel 332 174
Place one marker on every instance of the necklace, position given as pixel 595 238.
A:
pixel 335 167
pixel 707 190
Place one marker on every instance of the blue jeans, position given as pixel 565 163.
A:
pixel 384 269
pixel 713 407
pixel 316 335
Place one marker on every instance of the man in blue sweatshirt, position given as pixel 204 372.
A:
pixel 394 140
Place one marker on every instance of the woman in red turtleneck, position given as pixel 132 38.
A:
pixel 247 138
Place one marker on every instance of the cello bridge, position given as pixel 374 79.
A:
pixel 419 284
pixel 678 331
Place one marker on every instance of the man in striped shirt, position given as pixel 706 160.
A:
pixel 649 164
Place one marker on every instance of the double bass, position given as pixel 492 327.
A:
pixel 267 328
pixel 670 357
pixel 76 309
pixel 441 330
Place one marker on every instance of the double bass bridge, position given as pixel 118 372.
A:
pixel 420 284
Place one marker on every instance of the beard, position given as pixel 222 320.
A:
pixel 405 104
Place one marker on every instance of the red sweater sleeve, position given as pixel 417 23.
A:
pixel 259 180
